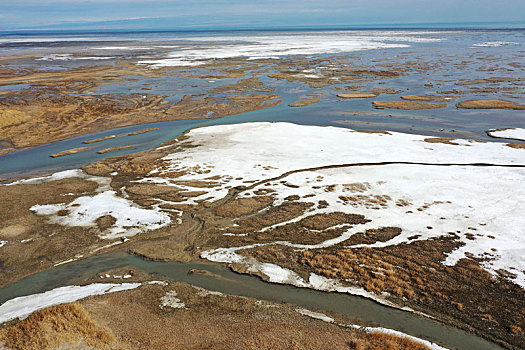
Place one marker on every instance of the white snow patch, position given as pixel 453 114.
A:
pixel 495 44
pixel 64 262
pixel 510 133
pixel 53 177
pixel 84 211
pixel 427 200
pixel 171 300
pixel 280 45
pixel 205 292
pixel 316 315
pixel 161 283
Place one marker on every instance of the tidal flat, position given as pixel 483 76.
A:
pixel 387 165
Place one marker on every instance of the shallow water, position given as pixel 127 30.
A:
pixel 226 281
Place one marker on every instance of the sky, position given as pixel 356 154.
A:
pixel 223 14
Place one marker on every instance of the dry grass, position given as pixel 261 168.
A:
pixel 303 103
pixel 516 145
pixel 369 201
pixel 12 117
pixel 489 104
pixel 384 341
pixel 515 329
pixel 224 322
pixel 415 273
pixel 366 270
pixel 445 140
pixel 359 341
pixel 66 325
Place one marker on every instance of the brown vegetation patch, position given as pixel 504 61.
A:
pixel 243 206
pixel 516 145
pixel 406 105
pixel 13 230
pixel 105 222
pixel 384 341
pixel 303 103
pixel 274 215
pixel 415 273
pixel 369 201
pixel 252 84
pixel 489 104
pixel 356 95
pixel 424 98
pixel 324 221
pixel 100 139
pixel 191 107
pixel 61 326
pixel 445 140
pixel 374 235
pixel 70 151
pixel 310 230
pixel 12 116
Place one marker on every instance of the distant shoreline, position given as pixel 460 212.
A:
pixel 471 26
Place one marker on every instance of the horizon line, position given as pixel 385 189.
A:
pixel 483 25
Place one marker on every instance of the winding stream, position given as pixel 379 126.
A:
pixel 226 281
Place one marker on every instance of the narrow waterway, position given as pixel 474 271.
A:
pixel 225 281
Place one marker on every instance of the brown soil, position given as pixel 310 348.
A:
pixel 406 105
pixel 489 104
